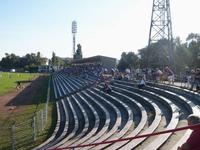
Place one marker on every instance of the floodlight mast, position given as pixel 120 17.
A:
pixel 161 26
pixel 74 31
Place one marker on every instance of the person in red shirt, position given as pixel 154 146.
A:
pixel 193 142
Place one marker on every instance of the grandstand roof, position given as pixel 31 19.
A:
pixel 94 59
pixel 107 62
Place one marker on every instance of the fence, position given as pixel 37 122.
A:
pixel 24 134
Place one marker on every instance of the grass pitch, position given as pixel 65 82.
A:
pixel 23 118
pixel 8 81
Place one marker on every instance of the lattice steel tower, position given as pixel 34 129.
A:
pixel 161 25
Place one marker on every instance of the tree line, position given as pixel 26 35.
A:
pixel 57 61
pixel 30 62
pixel 185 54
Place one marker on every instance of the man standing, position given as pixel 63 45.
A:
pixel 170 74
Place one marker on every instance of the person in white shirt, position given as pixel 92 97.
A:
pixel 142 82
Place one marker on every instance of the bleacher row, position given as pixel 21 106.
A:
pixel 85 114
pixel 65 86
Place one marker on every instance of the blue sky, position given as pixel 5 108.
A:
pixel 105 27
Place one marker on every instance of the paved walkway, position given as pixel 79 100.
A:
pixel 178 84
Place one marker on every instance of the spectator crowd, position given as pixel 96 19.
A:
pixel 189 79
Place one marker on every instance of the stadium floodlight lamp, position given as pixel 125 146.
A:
pixel 74 27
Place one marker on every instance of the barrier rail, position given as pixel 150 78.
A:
pixel 131 138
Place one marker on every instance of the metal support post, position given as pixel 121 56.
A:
pixel 34 128
pixel 42 120
pixel 13 136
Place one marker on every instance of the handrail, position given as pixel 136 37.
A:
pixel 131 138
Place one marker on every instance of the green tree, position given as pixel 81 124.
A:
pixel 128 60
pixel 182 56
pixel 193 42
pixel 156 55
pixel 54 59
pixel 26 62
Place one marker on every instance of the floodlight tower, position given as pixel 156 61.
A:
pixel 74 31
pixel 161 25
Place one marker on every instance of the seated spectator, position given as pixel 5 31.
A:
pixel 107 88
pixel 142 82
pixel 118 76
pixel 127 77
pixel 193 141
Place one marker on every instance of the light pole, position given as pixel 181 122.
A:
pixel 74 31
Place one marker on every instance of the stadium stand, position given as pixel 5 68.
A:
pixel 88 115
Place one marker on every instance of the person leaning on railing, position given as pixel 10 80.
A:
pixel 193 142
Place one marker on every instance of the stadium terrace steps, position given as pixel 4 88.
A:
pixel 88 115
pixel 186 106
pixel 65 86
pixel 115 114
pixel 127 117
pixel 61 127
pixel 52 137
pixel 151 126
pixel 104 116
pixel 192 108
pixel 118 117
pixel 71 79
pixel 80 82
pixel 93 118
pixel 139 124
pixel 70 123
pixel 60 88
pixel 172 120
pixel 54 87
pixel 83 120
pixel 194 97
